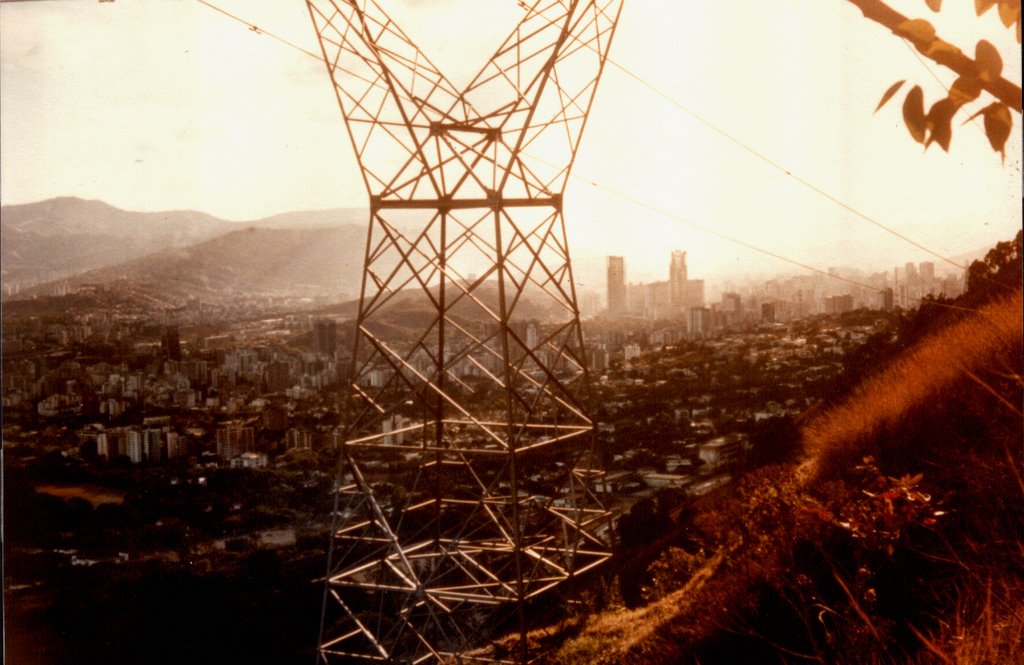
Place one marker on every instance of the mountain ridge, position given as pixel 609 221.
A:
pixel 61 238
pixel 253 261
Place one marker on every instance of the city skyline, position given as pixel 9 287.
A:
pixel 901 285
pixel 210 116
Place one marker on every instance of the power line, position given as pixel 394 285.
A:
pixel 710 125
pixel 724 236
pixel 260 31
pixel 744 243
pixel 665 213
pixel 675 102
pixel 756 248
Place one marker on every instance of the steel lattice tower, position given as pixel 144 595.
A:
pixel 467 484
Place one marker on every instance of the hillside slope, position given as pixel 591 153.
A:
pixel 63 236
pixel 58 238
pixel 897 539
pixel 250 261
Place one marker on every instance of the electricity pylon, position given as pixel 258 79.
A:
pixel 467 485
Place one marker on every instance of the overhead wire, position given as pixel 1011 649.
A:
pixel 768 160
pixel 710 125
pixel 260 31
pixel 638 202
pixel 707 229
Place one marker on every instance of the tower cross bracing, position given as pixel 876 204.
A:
pixel 468 481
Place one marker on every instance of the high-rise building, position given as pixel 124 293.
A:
pixel 731 310
pixel 170 343
pixel 694 293
pixel 657 300
pixel 910 275
pixel 699 323
pixel 926 272
pixel 616 285
pixel 298 438
pixel 106 445
pixel 233 440
pixel 278 376
pixel 175 445
pixel 636 299
pixel 839 304
pixel 325 336
pixel 152 444
pixel 677 279
pixel 134 448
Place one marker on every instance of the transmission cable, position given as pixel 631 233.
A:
pixel 258 30
pixel 675 102
pixel 710 125
pixel 666 213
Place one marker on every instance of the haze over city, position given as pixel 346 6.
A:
pixel 163 106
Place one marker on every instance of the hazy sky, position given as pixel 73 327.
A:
pixel 171 105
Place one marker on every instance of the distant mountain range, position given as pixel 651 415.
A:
pixel 253 261
pixel 58 245
pixel 78 241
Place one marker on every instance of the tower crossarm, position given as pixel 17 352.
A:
pixel 538 88
pixel 512 132
pixel 389 92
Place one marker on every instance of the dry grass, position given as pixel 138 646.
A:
pixel 979 349
pixel 614 634
pixel 986 627
pixel 950 408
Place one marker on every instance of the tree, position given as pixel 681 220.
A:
pixel 981 73
pixel 998 273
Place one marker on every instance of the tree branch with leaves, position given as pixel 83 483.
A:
pixel 981 73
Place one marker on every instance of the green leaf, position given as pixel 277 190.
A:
pixel 965 89
pixel 990 65
pixel 998 124
pixel 940 123
pixel 917 30
pixel 982 6
pixel 889 93
pixel 913 114
pixel 934 5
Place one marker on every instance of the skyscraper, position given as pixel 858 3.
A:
pixel 694 293
pixel 677 279
pixel 926 272
pixel 170 343
pixel 325 337
pixel 616 285
pixel 233 440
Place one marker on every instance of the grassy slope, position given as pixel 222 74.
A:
pixel 849 557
